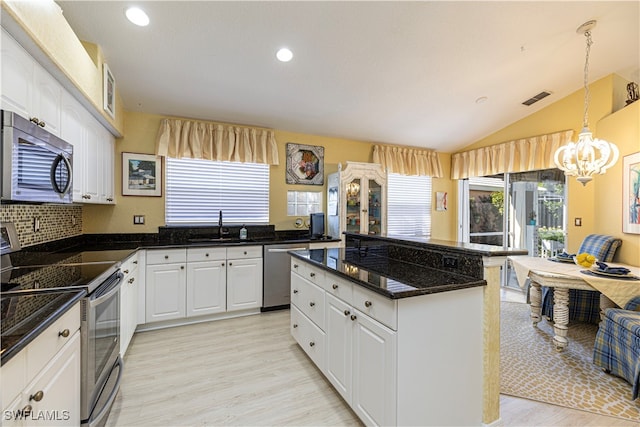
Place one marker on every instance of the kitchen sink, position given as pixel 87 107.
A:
pixel 217 239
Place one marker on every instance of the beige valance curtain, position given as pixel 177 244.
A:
pixel 520 155
pixel 407 161
pixel 213 141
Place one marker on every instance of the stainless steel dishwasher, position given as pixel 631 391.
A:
pixel 276 288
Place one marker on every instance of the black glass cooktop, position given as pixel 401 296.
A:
pixel 55 276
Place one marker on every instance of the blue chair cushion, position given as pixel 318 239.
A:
pixel 601 246
pixel 617 346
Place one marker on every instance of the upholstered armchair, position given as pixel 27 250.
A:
pixel 584 306
pixel 617 346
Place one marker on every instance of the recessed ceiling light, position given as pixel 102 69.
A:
pixel 137 16
pixel 284 55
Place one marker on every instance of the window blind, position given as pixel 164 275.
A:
pixel 409 205
pixel 196 190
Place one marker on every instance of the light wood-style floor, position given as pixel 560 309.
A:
pixel 249 371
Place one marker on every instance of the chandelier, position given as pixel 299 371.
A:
pixel 588 156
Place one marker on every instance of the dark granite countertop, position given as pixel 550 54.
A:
pixel 421 242
pixel 26 315
pixel 389 277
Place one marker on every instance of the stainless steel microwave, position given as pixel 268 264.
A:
pixel 36 165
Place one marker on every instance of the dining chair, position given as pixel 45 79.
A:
pixel 584 306
pixel 617 345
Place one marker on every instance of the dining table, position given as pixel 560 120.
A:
pixel 615 290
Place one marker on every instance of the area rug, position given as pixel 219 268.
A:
pixel 531 368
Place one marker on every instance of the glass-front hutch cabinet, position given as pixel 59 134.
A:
pixel 357 199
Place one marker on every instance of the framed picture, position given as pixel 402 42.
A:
pixel 441 201
pixel 305 164
pixel 141 175
pixel 631 194
pixel 108 91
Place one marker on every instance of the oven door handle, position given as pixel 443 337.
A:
pixel 284 250
pixel 94 421
pixel 103 298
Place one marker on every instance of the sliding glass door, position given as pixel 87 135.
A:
pixel 519 210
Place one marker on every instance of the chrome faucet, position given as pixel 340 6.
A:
pixel 222 231
pixel 220 220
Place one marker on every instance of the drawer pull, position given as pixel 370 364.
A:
pixel 245 252
pixel 126 271
pixel 166 257
pixel 26 411
pixel 311 344
pixel 64 334
pixel 312 274
pixel 230 263
pixel 368 304
pixel 334 286
pixel 182 267
pixel 132 280
pixel 347 312
pixel 295 291
pixel 311 304
pixel 37 397
pixel 353 317
pixel 135 262
pixel 295 265
pixel 295 325
pixel 223 264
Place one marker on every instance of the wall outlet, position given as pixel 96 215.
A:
pixel 36 223
pixel 138 219
pixel 449 261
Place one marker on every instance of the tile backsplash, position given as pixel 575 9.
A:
pixel 56 221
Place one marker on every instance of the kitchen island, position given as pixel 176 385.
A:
pixel 401 328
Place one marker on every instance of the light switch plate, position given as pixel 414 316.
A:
pixel 138 219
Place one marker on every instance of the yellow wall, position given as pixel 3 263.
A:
pixel 43 22
pixel 623 129
pixel 139 137
pixel 598 203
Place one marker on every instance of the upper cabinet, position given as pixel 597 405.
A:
pixel 27 88
pixel 357 199
pixel 93 153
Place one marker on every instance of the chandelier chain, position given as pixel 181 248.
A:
pixel 587 94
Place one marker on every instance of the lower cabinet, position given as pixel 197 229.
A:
pixel 408 361
pixel 182 283
pixel 128 302
pixel 42 383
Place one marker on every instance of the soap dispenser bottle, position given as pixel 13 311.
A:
pixel 243 233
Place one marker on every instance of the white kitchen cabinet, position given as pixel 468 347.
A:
pixel 27 88
pixel 128 302
pixel 196 282
pixel 206 281
pixel 166 290
pixel 44 377
pixel 244 284
pixel 107 158
pixel 385 356
pixel 357 199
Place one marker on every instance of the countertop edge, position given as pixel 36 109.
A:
pixel 35 332
pixel 396 295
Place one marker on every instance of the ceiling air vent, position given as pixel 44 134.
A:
pixel 536 98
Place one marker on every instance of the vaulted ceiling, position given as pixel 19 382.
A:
pixel 410 73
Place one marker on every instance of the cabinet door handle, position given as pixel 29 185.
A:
pixel 364 210
pixel 64 334
pixel 206 254
pixel 26 411
pixel 135 262
pixel 295 291
pixel 245 252
pixel 295 325
pixel 334 286
pixel 223 264
pixel 347 312
pixel 312 274
pixel 311 344
pixel 42 124
pixel 126 271
pixel 368 304
pixel 182 267
pixel 132 280
pixel 353 317
pixel 295 265
pixel 166 257
pixel 311 304
pixel 37 396
pixel 230 263
pixel 34 120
